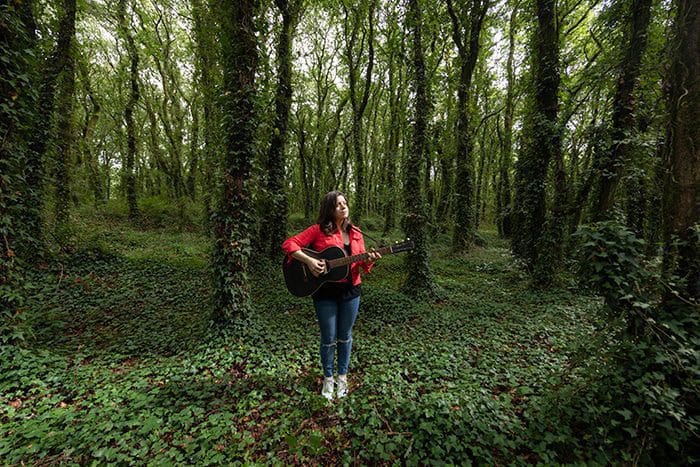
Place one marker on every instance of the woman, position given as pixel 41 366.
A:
pixel 336 303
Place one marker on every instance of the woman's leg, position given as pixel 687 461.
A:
pixel 327 312
pixel 347 314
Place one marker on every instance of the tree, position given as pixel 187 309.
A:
pixel 504 195
pixel 64 123
pixel 128 175
pixel 681 206
pixel 273 228
pixel 542 144
pixel 91 110
pixel 354 27
pixel 616 157
pixel 18 99
pixel 464 30
pixel 233 220
pixel 208 76
pixel 419 281
pixel 40 137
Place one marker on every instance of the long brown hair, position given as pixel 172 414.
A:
pixel 326 215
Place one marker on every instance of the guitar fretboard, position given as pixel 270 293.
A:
pixel 334 263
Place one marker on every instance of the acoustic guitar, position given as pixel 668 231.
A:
pixel 301 281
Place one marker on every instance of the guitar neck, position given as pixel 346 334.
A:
pixel 360 257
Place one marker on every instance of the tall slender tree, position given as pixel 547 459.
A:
pixel 92 110
pixel 128 172
pixel 40 138
pixel 615 158
pixel 356 38
pixel 64 125
pixel 17 107
pixel 273 228
pixel 504 194
pixel 207 74
pixel 233 220
pixel 542 142
pixel 419 281
pixel 681 203
pixel 395 45
pixel 466 32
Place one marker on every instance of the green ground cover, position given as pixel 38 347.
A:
pixel 125 367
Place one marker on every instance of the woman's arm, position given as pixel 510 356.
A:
pixel 317 266
pixel 293 247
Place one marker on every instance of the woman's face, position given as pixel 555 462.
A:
pixel 341 208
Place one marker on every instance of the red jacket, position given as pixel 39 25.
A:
pixel 314 238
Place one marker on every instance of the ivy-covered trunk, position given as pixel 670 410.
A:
pixel 682 209
pixel 17 107
pixel 92 111
pixel 273 229
pixel 617 156
pixel 207 76
pixel 359 101
pixel 233 220
pixel 542 145
pixel 466 37
pixel 64 126
pixel 419 281
pixel 40 137
pixel 128 175
pixel 391 154
pixel 503 195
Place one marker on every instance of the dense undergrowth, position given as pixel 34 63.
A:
pixel 125 367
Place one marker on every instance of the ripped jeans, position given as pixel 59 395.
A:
pixel 336 318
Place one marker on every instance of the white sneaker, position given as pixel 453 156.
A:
pixel 327 391
pixel 342 386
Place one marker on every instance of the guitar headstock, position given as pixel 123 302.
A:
pixel 406 245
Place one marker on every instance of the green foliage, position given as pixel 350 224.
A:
pixel 125 368
pixel 17 97
pixel 638 393
pixel 611 262
pixel 159 212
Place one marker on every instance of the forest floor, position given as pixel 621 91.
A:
pixel 124 366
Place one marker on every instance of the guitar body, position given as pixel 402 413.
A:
pixel 299 279
pixel 302 283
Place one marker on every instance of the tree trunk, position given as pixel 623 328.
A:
pixel 273 229
pixel 359 102
pixel 64 126
pixel 480 180
pixel 615 159
pixel 191 183
pixel 128 175
pixel 304 164
pixel 390 197
pixel 465 226
pixel 419 281
pixel 543 145
pixel 682 209
pixel 92 114
pixel 234 217
pixel 55 64
pixel 205 54
pixel 504 214
pixel 444 211
pixel 17 103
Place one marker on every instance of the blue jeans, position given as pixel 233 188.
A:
pixel 336 318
